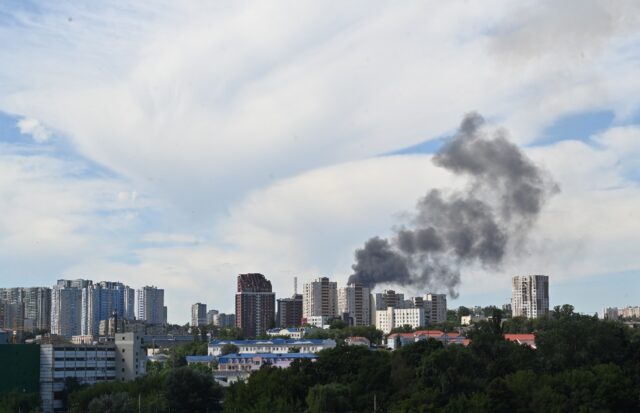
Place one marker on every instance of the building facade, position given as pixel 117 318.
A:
pixel 320 298
pixel 198 315
pixel 387 320
pixel 224 320
pixel 435 307
pixel 103 300
pixel 66 307
pixel 150 305
pixel 354 300
pixel 123 359
pixel 211 316
pixel 255 305
pixel 276 345
pixel 530 296
pixel 289 312
pixel 36 302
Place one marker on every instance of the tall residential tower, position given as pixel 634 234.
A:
pixel 255 305
pixel 530 295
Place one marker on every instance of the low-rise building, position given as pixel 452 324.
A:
pixel 86 339
pixel 208 361
pixel 253 361
pixel 122 359
pixel 524 339
pixel 319 321
pixel 276 345
pixel 467 320
pixel 387 320
pixel 291 332
pixel 357 341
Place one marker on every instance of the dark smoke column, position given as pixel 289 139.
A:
pixel 449 229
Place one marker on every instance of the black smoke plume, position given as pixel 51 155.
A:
pixel 449 230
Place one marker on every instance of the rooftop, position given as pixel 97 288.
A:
pixel 275 341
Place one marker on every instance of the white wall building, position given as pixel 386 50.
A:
pixel 355 300
pixel 276 345
pixel 198 315
pixel 320 298
pixel 530 295
pixel 122 359
pixel 151 305
pixel 387 320
pixel 66 307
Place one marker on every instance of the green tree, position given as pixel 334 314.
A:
pixel 328 398
pixel 111 403
pixel 187 390
pixel 229 348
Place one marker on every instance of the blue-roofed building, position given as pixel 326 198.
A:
pixel 253 361
pixel 205 360
pixel 276 345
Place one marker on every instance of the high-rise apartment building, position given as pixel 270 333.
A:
pixel 66 307
pixel 103 300
pixel 435 307
pixel 13 316
pixel 354 300
pixel 150 305
pixel 224 320
pixel 389 298
pixel 211 315
pixel 36 302
pixel 289 311
pixel 255 305
pixel 320 298
pixel 530 295
pixel 198 315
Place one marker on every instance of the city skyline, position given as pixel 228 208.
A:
pixel 403 295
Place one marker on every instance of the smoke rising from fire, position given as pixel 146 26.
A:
pixel 450 229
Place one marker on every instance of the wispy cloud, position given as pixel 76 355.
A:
pixel 253 129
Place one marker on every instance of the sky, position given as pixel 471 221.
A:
pixel 179 144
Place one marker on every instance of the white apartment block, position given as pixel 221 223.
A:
pixel 355 300
pixel 319 321
pixel 151 305
pixel 530 295
pixel 122 359
pixel 66 307
pixel 320 298
pixel 387 320
pixel 198 315
pixel 435 307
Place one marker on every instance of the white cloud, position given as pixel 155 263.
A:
pixel 251 131
pixel 34 128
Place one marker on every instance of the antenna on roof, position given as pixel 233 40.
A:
pixel 295 285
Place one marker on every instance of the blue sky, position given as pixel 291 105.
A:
pixel 179 145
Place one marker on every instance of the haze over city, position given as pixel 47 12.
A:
pixel 180 144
